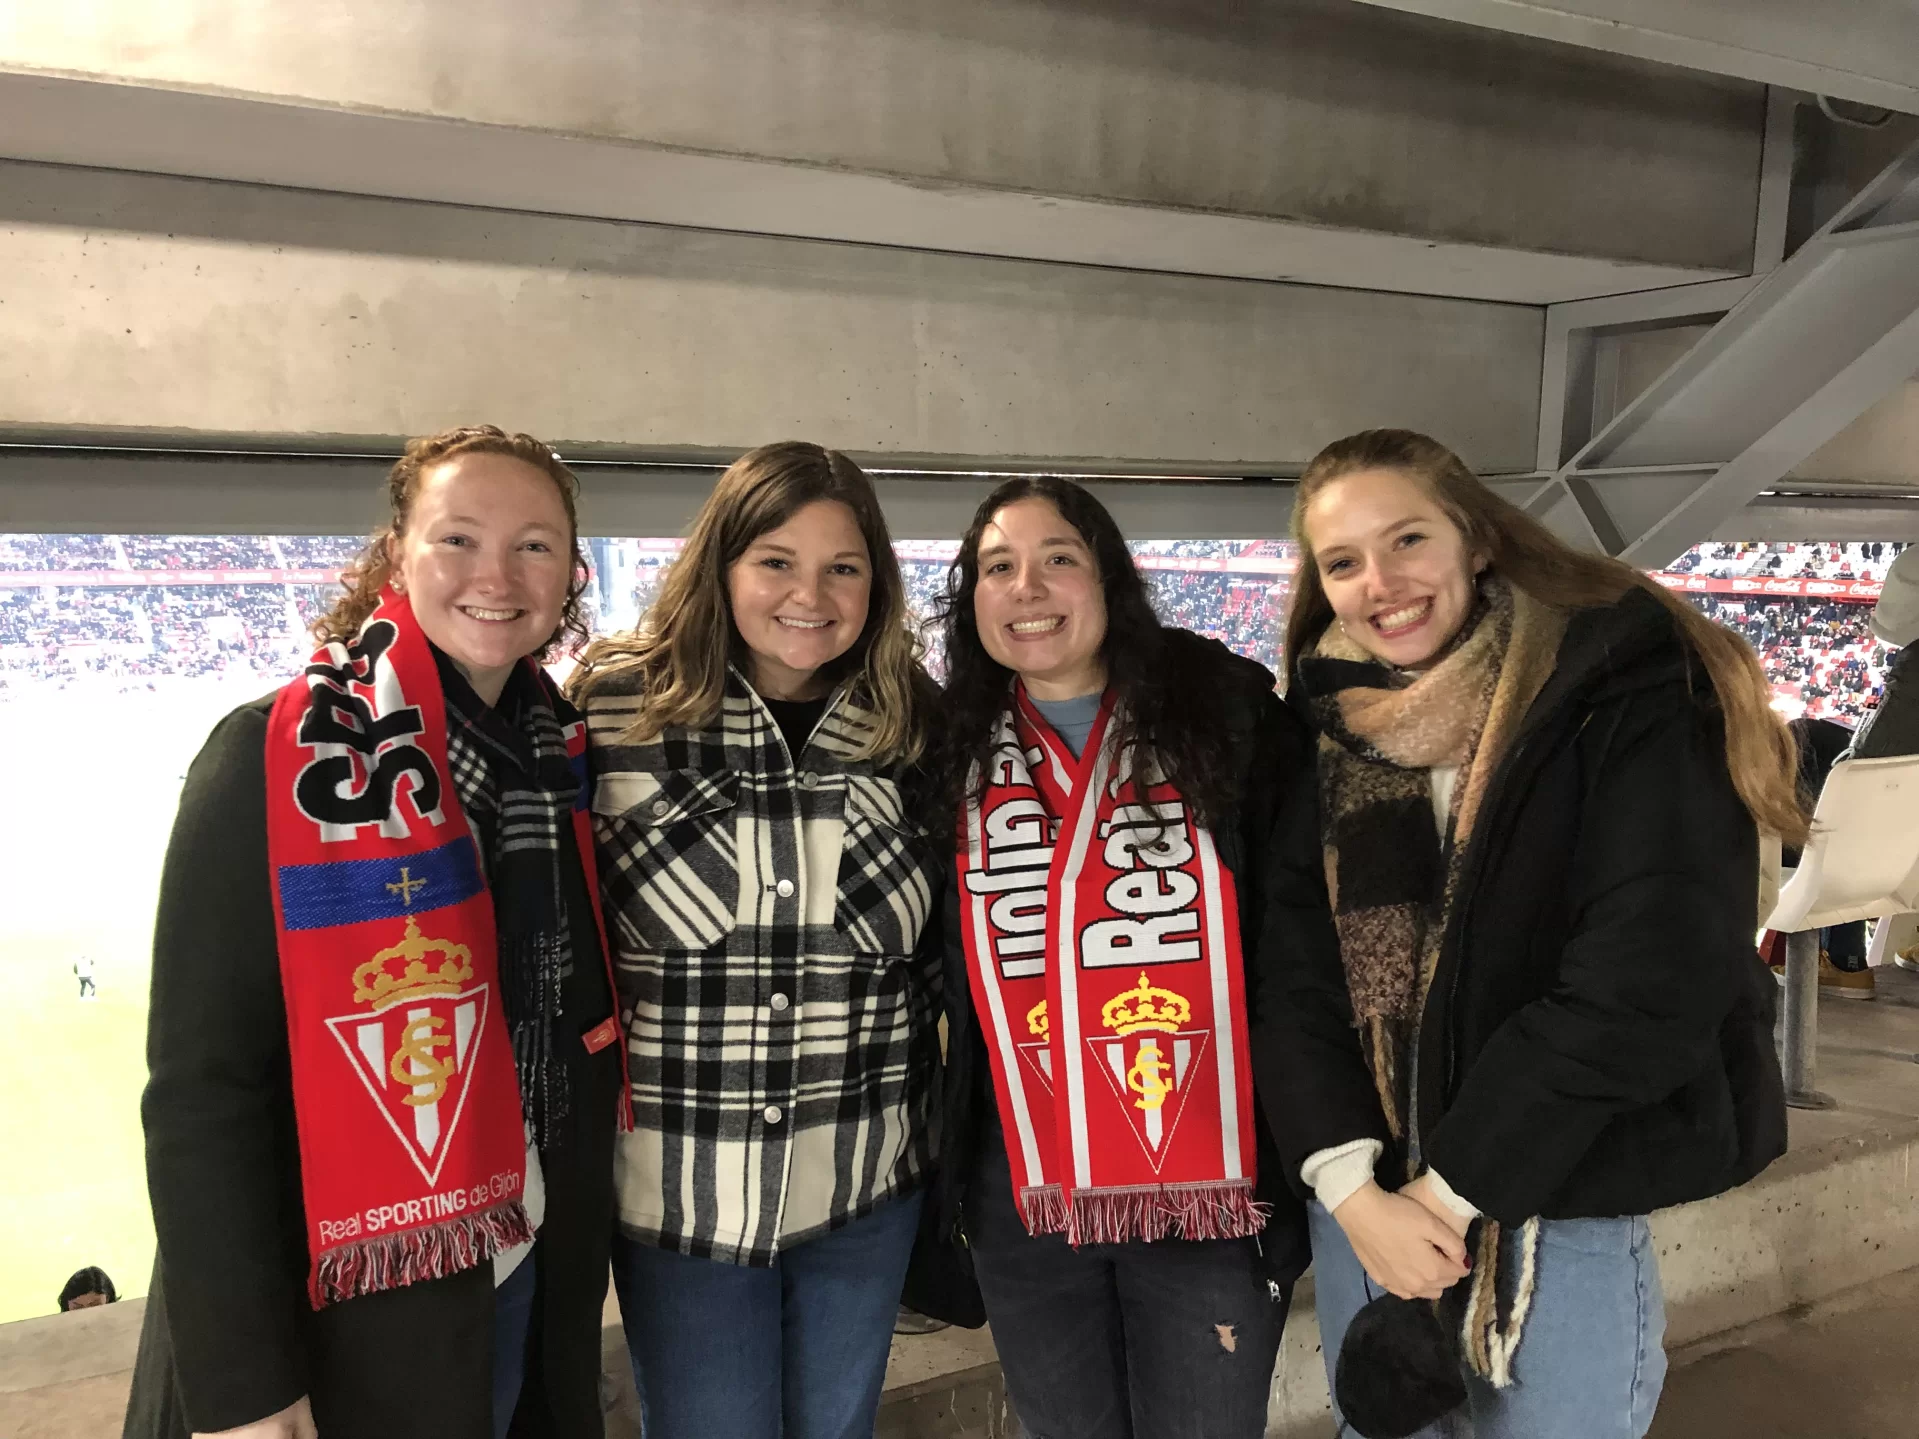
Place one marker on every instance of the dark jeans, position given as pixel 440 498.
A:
pixel 512 1326
pixel 1171 1340
pixel 797 1351
pixel 1845 945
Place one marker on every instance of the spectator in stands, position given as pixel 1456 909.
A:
pixel 376 951
pixel 1100 1146
pixel 87 1289
pixel 1894 725
pixel 1892 728
pixel 1532 1013
pixel 772 892
pixel 1843 972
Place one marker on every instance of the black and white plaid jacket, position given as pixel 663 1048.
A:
pixel 775 943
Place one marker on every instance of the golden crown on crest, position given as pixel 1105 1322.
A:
pixel 1145 1007
pixel 404 971
pixel 1037 1021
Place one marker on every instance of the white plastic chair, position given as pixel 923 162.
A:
pixel 1862 862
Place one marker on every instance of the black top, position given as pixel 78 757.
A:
pixel 1597 1039
pixel 797 720
pixel 1893 727
pixel 229 1334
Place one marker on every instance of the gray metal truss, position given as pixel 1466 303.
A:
pixel 1863 50
pixel 1794 354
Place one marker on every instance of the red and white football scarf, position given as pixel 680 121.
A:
pixel 412 1145
pixel 1102 947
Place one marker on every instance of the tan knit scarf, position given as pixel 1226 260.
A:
pixel 1393 879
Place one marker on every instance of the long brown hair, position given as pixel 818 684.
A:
pixel 1759 750
pixel 681 649
pixel 369 572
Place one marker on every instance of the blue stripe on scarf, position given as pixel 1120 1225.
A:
pixel 352 891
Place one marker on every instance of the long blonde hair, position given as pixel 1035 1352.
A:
pixel 680 652
pixel 1759 750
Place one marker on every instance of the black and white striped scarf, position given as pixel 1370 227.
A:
pixel 517 787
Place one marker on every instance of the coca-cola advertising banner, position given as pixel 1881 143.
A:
pixel 1769 587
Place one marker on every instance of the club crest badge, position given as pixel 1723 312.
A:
pixel 413 1048
pixel 1149 1059
pixel 1039 1056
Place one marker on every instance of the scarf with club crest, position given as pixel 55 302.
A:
pixel 1102 949
pixel 1394 882
pixel 412 1141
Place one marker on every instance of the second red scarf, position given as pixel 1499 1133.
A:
pixel 1103 951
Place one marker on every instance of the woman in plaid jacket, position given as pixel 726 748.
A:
pixel 770 894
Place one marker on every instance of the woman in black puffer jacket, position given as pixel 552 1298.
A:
pixel 1510 1002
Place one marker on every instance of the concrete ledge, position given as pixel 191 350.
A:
pixel 1839 1211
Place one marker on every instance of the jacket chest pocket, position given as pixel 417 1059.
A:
pixel 669 862
pixel 885 886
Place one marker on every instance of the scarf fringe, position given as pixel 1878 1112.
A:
pixel 1488 1342
pixel 1043 1207
pixel 1212 1209
pixel 532 970
pixel 429 1252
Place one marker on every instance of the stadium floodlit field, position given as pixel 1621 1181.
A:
pixel 96 777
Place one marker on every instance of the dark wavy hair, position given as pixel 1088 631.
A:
pixel 1167 691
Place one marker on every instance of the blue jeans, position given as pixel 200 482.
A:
pixel 797 1351
pixel 1591 1361
pixel 512 1323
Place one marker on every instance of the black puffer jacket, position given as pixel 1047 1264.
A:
pixel 229 1336
pixel 1598 1036
pixel 1273 756
pixel 1893 727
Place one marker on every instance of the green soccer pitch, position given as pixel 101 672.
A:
pixel 95 770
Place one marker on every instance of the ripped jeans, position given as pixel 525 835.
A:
pixel 1171 1340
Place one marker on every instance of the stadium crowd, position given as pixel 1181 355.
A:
pixel 1790 560
pixel 1819 654
pixel 1821 658
pixel 58 552
pixel 201 552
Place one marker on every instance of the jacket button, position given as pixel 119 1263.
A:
pixel 780 1001
pixel 809 780
pixel 784 889
pixel 773 1114
pixel 660 807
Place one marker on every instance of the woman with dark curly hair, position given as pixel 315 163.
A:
pixel 385 1076
pixel 1102 1155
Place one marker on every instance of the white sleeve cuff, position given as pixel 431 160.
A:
pixel 1448 1196
pixel 1337 1173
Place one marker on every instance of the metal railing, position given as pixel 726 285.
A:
pixel 1797 1034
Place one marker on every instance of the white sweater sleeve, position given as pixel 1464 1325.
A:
pixel 1450 1197
pixel 1337 1173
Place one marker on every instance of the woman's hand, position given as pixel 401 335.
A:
pixel 293 1422
pixel 1420 1191
pixel 1404 1247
